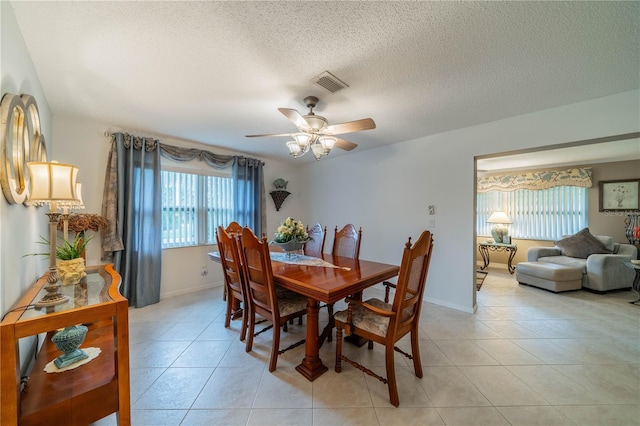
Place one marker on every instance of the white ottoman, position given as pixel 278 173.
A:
pixel 549 276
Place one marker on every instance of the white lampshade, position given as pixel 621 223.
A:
pixel 318 150
pixel 294 148
pixel 77 204
pixel 302 139
pixel 499 217
pixel 328 142
pixel 52 182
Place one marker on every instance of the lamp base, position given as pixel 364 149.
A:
pixel 51 300
pixel 498 233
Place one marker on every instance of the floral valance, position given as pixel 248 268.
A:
pixel 536 180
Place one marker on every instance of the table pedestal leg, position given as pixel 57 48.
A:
pixel 311 366
pixel 511 268
pixel 485 257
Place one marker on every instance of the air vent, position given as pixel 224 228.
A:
pixel 329 82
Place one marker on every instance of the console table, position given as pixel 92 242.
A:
pixel 81 395
pixel 485 247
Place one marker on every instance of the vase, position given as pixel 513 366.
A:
pixel 291 246
pixel 632 228
pixel 71 271
pixel 68 342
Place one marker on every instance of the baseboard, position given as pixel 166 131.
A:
pixel 466 309
pixel 190 290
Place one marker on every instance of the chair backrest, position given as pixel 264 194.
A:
pixel 256 263
pixel 233 228
pixel 346 242
pixel 315 245
pixel 412 278
pixel 230 260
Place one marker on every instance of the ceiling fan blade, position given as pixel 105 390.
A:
pixel 346 145
pixel 295 117
pixel 351 126
pixel 267 135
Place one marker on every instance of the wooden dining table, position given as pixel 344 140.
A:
pixel 327 285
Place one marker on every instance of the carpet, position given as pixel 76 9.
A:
pixel 480 276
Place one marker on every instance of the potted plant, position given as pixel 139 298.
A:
pixel 71 267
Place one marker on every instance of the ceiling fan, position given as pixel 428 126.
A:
pixel 314 132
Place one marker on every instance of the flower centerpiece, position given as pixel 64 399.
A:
pixel 291 235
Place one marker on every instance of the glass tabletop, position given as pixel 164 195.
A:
pixel 91 290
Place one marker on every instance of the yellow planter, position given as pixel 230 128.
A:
pixel 71 271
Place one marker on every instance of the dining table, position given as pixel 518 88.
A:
pixel 327 281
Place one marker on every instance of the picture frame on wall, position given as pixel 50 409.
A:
pixel 622 194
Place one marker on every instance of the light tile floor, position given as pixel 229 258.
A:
pixel 527 357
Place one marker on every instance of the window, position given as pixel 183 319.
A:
pixel 193 206
pixel 547 214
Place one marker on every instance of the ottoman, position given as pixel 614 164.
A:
pixel 549 276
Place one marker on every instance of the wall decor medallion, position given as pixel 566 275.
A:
pixel 22 141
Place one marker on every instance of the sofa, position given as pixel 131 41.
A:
pixel 598 258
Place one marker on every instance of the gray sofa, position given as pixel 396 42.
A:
pixel 600 272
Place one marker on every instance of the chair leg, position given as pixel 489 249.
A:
pixel 338 367
pixel 391 376
pixel 300 320
pixel 415 352
pixel 227 319
pixel 275 345
pixel 250 331
pixel 245 315
pixel 284 327
pixel 370 344
pixel 330 311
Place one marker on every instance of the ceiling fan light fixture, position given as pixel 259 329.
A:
pixel 294 148
pixel 316 122
pixel 328 142
pixel 302 139
pixel 318 151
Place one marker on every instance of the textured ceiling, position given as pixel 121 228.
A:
pixel 213 72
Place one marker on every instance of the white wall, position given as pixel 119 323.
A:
pixel 386 191
pixel 20 227
pixel 83 142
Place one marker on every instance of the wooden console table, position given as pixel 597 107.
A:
pixel 484 249
pixel 88 392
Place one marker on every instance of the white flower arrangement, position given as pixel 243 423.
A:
pixel 291 230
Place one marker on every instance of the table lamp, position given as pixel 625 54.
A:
pixel 77 204
pixel 52 183
pixel 499 231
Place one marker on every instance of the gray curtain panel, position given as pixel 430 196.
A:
pixel 249 200
pixel 132 202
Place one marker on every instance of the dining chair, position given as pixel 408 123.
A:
pixel 315 246
pixel 271 302
pixel 386 323
pixel 232 229
pixel 346 243
pixel 234 281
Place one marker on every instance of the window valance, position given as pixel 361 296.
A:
pixel 536 180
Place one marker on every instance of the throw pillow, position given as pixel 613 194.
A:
pixel 607 242
pixel 581 245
